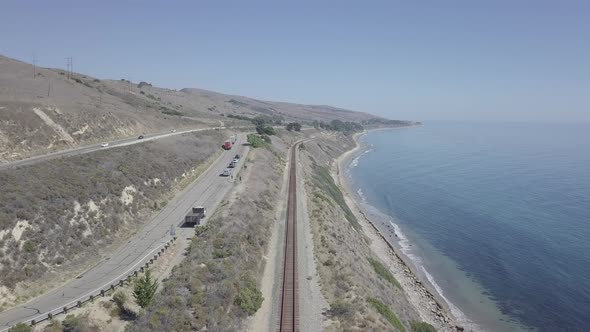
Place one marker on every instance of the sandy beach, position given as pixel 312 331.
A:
pixel 431 305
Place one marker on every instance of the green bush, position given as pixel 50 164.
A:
pixel 384 310
pixel 383 272
pixel 20 327
pixel 249 297
pixel 255 141
pixel 422 327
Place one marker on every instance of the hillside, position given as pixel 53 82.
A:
pixel 52 111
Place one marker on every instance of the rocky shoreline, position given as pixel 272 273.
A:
pixel 432 308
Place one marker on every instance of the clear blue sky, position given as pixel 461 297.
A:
pixel 421 60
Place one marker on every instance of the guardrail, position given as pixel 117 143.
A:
pixel 119 281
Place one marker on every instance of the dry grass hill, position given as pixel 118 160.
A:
pixel 48 110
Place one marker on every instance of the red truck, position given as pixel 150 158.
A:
pixel 227 145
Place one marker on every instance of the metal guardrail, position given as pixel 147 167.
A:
pixel 119 281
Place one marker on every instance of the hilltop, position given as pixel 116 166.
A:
pixel 46 110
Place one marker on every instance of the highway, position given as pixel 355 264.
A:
pixel 208 191
pixel 94 147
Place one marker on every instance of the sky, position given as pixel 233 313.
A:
pixel 416 60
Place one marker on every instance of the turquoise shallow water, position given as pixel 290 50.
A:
pixel 497 214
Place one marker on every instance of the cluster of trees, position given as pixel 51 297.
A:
pixel 294 126
pixel 338 125
pixel 395 123
pixel 260 120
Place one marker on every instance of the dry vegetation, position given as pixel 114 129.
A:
pixel 216 287
pixel 57 214
pixel 363 295
pixel 52 112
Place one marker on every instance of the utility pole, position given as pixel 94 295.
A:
pixel 69 67
pixel 48 87
pixel 34 66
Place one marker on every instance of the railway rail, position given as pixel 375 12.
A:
pixel 289 311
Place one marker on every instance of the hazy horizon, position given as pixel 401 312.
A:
pixel 521 62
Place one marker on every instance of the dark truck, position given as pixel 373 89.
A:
pixel 194 217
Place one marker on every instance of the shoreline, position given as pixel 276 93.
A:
pixel 428 301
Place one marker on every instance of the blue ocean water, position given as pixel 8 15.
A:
pixel 505 207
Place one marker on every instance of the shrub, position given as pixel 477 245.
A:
pixel 29 247
pixel 78 323
pixel 249 297
pixel 20 327
pixel 422 327
pixel 384 310
pixel 341 308
pixel 144 289
pixel 120 298
pixel 383 272
pixel 255 141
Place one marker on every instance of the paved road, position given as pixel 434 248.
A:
pixel 207 191
pixel 94 147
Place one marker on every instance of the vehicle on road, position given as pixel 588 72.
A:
pixel 104 145
pixel 194 217
pixel 235 161
pixel 237 156
pixel 227 145
pixel 140 137
pixel 231 165
pixel 173 130
pixel 226 172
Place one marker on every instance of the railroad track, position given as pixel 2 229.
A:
pixel 289 315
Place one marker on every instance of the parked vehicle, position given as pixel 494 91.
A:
pixel 232 165
pixel 104 145
pixel 226 172
pixel 227 145
pixel 173 130
pixel 235 161
pixel 194 217
pixel 237 156
pixel 140 137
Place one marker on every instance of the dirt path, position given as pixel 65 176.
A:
pixel 311 301
pixel 266 317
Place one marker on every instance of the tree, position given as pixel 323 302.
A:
pixel 265 130
pixel 294 126
pixel 145 289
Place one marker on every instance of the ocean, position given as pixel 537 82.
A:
pixel 497 216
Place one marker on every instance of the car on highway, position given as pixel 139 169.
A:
pixel 140 137
pixel 173 130
pixel 104 145
pixel 226 172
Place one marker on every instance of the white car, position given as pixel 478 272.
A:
pixel 173 130
pixel 226 172
pixel 104 145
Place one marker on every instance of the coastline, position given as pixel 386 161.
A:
pixel 424 295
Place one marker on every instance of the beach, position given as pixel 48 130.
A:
pixel 387 242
